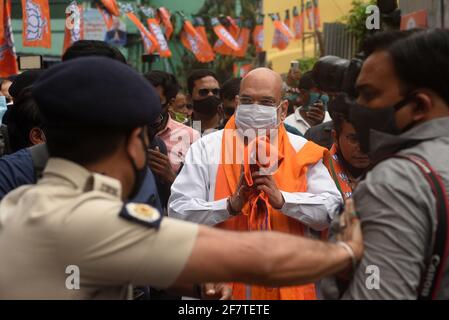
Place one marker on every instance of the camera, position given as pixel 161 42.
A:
pixel 333 74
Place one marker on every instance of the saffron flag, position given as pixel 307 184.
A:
pixel 8 62
pixel 310 15
pixel 224 35
pixel 282 33
pixel 74 28
pixel 220 46
pixel 258 34
pixel 149 42
pixel 298 23
pixel 191 39
pixel 206 47
pixel 36 23
pixel 243 40
pixel 164 17
pixel 155 28
pixel 316 14
pixel 287 19
pixel 112 7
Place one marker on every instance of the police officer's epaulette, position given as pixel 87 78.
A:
pixel 142 214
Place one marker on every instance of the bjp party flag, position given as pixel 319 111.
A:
pixel 36 23
pixel 8 61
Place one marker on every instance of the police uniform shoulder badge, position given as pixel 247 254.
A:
pixel 142 214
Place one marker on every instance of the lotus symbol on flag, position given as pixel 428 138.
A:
pixel 36 25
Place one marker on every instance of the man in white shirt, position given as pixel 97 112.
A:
pixel 206 190
pixel 314 109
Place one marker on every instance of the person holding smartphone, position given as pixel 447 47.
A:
pixel 313 112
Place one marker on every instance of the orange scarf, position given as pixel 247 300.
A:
pixel 337 172
pixel 258 214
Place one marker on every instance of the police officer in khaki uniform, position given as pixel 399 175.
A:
pixel 74 236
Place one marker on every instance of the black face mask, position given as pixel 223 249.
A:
pixel 383 120
pixel 139 174
pixel 207 107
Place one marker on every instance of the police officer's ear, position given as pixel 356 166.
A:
pixel 37 136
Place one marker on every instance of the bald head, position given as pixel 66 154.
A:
pixel 262 83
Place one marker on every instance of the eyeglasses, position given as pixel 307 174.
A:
pixel 205 92
pixel 263 102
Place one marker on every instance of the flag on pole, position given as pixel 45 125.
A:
pixel 224 35
pixel 150 43
pixel 112 7
pixel 282 34
pixel 8 61
pixel 243 39
pixel 155 29
pixel 258 34
pixel 36 23
pixel 74 28
pixel 164 16
pixel 310 15
pixel 287 19
pixel 298 22
pixel 206 47
pixel 193 41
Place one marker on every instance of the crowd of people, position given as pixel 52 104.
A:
pixel 261 188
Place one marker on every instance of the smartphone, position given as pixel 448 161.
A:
pixel 30 62
pixel 294 65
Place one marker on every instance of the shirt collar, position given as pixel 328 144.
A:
pixel 299 117
pixel 171 124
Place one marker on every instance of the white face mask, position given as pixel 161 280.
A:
pixel 255 116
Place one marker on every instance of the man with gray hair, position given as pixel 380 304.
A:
pixel 223 182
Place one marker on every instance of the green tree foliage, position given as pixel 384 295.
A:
pixel 356 19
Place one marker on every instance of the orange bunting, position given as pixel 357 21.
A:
pixel 112 7
pixel 206 47
pixel 258 38
pixel 74 27
pixel 298 23
pixel 36 23
pixel 224 35
pixel 155 28
pixel 8 62
pixel 193 41
pixel 243 41
pixel 164 16
pixel 149 41
pixel 310 15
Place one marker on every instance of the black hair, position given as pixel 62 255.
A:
pixel 197 75
pixel 421 61
pixel 383 40
pixel 166 80
pixel 230 88
pixel 85 145
pixel 306 82
pixel 87 48
pixel 22 118
pixel 339 109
